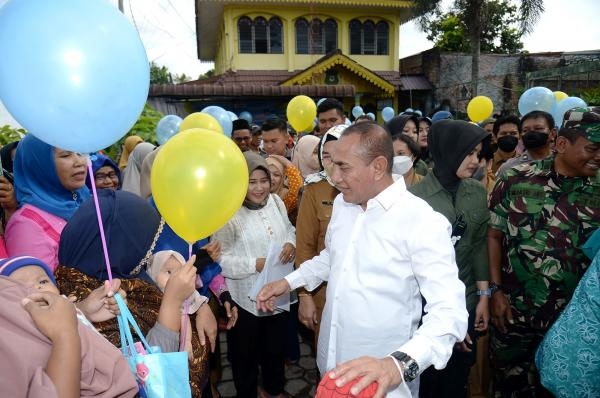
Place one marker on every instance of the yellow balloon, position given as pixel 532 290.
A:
pixel 199 180
pixel 559 95
pixel 202 121
pixel 301 112
pixel 480 108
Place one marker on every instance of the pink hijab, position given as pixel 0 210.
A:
pixel 304 156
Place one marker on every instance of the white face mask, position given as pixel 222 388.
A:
pixel 402 164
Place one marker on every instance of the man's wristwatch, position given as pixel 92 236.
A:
pixel 410 367
pixel 487 292
pixel 494 287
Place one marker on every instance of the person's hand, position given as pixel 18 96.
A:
pixel 213 249
pixel 260 264
pixel 464 346
pixel 307 311
pixel 54 315
pixel 482 314
pixel 265 300
pixel 283 160
pixel 231 310
pixel 288 252
pixel 207 326
pixel 182 282
pixel 100 305
pixel 384 371
pixel 8 199
pixel 500 311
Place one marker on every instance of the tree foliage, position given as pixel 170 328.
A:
pixel 160 74
pixel 9 134
pixel 500 32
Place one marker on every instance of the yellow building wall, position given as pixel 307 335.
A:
pixel 228 56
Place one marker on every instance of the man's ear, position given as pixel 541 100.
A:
pixel 380 165
pixel 561 144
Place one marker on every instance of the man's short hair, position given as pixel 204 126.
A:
pixel 240 124
pixel 374 141
pixel 275 123
pixel 330 103
pixel 539 114
pixel 508 119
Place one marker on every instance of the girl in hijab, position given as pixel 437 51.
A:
pixel 128 146
pixel 131 174
pixel 305 157
pixel 131 228
pixel 286 182
pixel 50 187
pixel 455 146
pixel 258 338
pixel 409 126
pixel 106 173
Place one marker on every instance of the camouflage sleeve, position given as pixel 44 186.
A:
pixel 497 204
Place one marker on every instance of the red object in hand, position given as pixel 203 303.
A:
pixel 328 389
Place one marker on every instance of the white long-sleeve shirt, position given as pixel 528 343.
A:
pixel 378 262
pixel 245 238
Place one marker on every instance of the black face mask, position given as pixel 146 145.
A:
pixel 507 143
pixel 535 139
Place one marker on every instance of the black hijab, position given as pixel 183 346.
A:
pixel 130 226
pixel 5 156
pixel 449 142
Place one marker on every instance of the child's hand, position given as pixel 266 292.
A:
pixel 100 304
pixel 181 283
pixel 213 249
pixel 54 315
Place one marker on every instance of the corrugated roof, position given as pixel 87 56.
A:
pixel 418 82
pixel 248 90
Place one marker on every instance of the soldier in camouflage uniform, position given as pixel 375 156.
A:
pixel 541 214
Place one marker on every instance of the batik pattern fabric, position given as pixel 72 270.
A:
pixel 545 218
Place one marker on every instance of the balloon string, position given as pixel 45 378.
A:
pixel 186 306
pixel 100 224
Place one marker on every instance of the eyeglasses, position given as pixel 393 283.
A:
pixel 240 139
pixel 102 176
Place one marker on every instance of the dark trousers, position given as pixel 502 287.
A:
pixel 257 341
pixel 451 381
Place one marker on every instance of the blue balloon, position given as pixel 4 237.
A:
pixel 74 73
pixel 371 115
pixel 357 111
pixel 536 99
pixel 222 117
pixel 167 127
pixel 232 116
pixel 387 113
pixel 561 107
pixel 246 116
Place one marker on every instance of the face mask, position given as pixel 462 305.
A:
pixel 402 164
pixel 507 143
pixel 535 139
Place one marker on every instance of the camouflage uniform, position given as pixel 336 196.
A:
pixel 545 219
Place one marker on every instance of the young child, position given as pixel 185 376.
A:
pixel 163 264
pixel 55 355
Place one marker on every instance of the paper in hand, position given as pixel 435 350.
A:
pixel 273 270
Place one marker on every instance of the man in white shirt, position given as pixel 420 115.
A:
pixel 384 248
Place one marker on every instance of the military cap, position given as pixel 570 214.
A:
pixel 585 121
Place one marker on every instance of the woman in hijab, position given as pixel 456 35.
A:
pixel 128 146
pixel 131 228
pixel 50 187
pixel 106 173
pixel 286 182
pixel 305 157
pixel 455 146
pixel 131 174
pixel 258 338
pixel 407 125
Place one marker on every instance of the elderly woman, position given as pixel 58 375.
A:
pixel 132 228
pixel 258 338
pixel 106 173
pixel 50 187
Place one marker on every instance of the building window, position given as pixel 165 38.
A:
pixel 316 37
pixel 369 38
pixel 260 36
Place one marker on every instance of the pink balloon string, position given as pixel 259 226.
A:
pixel 100 224
pixel 186 306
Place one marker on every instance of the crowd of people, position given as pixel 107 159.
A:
pixel 432 256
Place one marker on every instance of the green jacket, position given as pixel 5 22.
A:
pixel 471 249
